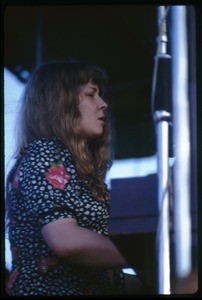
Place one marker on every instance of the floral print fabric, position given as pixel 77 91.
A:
pixel 57 175
pixel 44 187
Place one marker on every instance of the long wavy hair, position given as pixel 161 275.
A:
pixel 49 109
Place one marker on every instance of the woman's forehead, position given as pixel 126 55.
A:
pixel 91 85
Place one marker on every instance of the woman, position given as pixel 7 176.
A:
pixel 58 202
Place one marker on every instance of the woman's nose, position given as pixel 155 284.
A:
pixel 102 104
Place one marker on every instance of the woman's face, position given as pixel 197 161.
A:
pixel 92 108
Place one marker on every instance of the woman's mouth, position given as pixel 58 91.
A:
pixel 102 119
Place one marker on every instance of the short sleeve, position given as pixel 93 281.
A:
pixel 48 182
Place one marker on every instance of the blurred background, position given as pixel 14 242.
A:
pixel 120 38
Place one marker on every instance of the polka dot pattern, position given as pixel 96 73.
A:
pixel 45 187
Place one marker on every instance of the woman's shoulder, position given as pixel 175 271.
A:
pixel 41 143
pixel 44 143
pixel 47 147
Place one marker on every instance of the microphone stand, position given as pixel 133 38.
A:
pixel 161 114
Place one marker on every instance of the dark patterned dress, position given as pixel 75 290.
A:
pixel 45 187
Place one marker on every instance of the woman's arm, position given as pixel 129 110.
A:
pixel 80 245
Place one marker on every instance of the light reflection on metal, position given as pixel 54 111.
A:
pixel 161 115
pixel 182 214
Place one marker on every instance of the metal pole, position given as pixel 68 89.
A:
pixel 163 239
pixel 161 106
pixel 182 215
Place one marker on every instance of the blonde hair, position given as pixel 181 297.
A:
pixel 49 109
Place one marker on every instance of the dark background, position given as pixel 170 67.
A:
pixel 120 38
